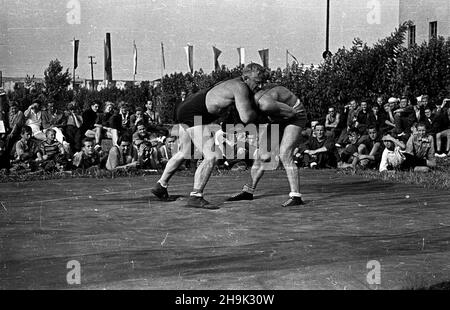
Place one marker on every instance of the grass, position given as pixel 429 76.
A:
pixel 439 178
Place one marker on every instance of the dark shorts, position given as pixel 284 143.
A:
pixel 195 105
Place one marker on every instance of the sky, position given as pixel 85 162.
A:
pixel 33 32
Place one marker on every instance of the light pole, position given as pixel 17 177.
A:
pixel 327 52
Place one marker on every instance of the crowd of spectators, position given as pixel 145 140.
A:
pixel 399 134
pixel 107 135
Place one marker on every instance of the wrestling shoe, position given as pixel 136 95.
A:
pixel 293 201
pixel 200 203
pixel 241 196
pixel 160 192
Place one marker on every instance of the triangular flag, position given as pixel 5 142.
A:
pixel 217 53
pixel 134 58
pixel 190 57
pixel 295 59
pixel 264 54
pixel 241 52
pixel 75 44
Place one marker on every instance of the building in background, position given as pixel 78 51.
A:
pixel 430 18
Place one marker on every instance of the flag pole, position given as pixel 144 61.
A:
pixel 73 82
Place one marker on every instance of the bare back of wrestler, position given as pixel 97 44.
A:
pixel 209 104
pixel 284 109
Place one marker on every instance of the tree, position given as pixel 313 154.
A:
pixel 56 81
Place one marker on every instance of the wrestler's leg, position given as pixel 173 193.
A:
pixel 289 142
pixel 204 140
pixel 183 153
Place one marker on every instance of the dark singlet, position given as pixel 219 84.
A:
pixel 195 105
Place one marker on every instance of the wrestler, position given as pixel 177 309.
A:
pixel 209 104
pixel 286 110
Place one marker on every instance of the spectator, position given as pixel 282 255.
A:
pixel 122 156
pixel 349 156
pixel 26 149
pixel 392 157
pixel 363 118
pixel 124 117
pixel 370 150
pixel 320 151
pixel 74 123
pixel 153 116
pixel 349 115
pixel 137 118
pixel 177 105
pixel 389 120
pixel 51 154
pixel 33 118
pixel 105 127
pixel 53 118
pixel 89 117
pixel 441 125
pixel 16 120
pixel 419 151
pixel 404 119
pixel 88 157
pixel 332 120
pixel 146 146
pixel 428 121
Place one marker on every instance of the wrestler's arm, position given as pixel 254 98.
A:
pixel 275 108
pixel 244 106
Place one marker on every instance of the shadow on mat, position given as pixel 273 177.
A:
pixel 144 199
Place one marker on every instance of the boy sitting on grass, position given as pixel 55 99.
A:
pixel 420 152
pixel 350 155
pixel 26 150
pixel 392 157
pixel 51 154
pixel 122 156
pixel 147 147
pixel 88 157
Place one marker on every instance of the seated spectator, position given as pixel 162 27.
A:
pixel 124 117
pixel 363 118
pixel 376 117
pixel 387 120
pixel 404 117
pixel 370 150
pixel 147 147
pixel 441 125
pixel 89 117
pixel 427 119
pixel 332 120
pixel 26 149
pixel 319 151
pixel 177 105
pixel 74 123
pixel 88 157
pixel 392 157
pixel 106 126
pixel 349 115
pixel 51 154
pixel 152 114
pixel 122 156
pixel 350 154
pixel 33 118
pixel 419 151
pixel 16 120
pixel 54 119
pixel 137 118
